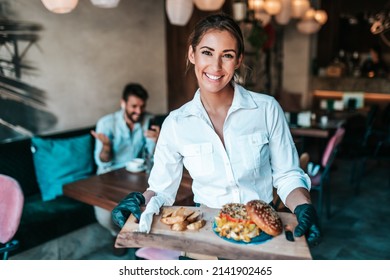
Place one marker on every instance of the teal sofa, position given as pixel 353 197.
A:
pixel 42 220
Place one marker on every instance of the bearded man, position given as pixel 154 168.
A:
pixel 123 136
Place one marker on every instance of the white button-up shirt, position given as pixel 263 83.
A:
pixel 259 153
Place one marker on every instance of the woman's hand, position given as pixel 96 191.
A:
pixel 131 204
pixel 307 223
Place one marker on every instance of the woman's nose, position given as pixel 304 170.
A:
pixel 217 63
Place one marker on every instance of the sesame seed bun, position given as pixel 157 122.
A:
pixel 265 217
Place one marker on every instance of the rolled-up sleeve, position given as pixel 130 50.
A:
pixel 286 172
pixel 166 174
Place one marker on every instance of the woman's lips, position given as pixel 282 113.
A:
pixel 213 77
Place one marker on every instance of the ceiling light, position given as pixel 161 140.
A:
pixel 272 7
pixel 299 7
pixel 321 16
pixel 179 11
pixel 209 5
pixel 60 6
pixel 256 5
pixel 105 3
pixel 284 16
pixel 308 26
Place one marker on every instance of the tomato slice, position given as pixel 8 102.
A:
pixel 234 220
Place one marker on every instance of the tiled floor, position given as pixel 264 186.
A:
pixel 357 230
pixel 359 226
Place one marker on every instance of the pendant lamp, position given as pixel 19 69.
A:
pixel 209 5
pixel 60 6
pixel 321 16
pixel 179 11
pixel 299 8
pixel 308 26
pixel 105 3
pixel 256 5
pixel 309 14
pixel 272 7
pixel 284 16
pixel 239 11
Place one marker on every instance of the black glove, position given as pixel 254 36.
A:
pixel 307 224
pixel 129 205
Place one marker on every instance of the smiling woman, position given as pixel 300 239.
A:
pixel 209 128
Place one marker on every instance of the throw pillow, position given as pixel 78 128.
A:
pixel 61 161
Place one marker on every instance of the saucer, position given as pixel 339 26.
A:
pixel 135 170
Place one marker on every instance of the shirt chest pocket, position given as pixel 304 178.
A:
pixel 198 159
pixel 253 149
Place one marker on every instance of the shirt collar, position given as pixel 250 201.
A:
pixel 241 100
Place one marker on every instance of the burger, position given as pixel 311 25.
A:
pixel 243 222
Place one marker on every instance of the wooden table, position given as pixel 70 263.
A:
pixel 106 190
pixel 314 132
pixel 317 130
pixel 206 241
pixel 317 134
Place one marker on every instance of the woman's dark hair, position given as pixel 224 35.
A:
pixel 221 22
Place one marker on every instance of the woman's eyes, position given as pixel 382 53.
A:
pixel 226 55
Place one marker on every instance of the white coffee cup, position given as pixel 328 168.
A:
pixel 324 120
pixel 136 165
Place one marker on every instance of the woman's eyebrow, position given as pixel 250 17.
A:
pixel 206 47
pixel 229 50
pixel 211 49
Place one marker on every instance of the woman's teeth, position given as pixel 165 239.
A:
pixel 212 77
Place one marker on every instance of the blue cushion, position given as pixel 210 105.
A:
pixel 61 161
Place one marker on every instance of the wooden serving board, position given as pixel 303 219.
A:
pixel 206 241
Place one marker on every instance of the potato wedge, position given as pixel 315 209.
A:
pixel 194 216
pixel 179 226
pixel 167 212
pixel 182 211
pixel 196 225
pixel 172 220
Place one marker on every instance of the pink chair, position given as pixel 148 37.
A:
pixel 320 181
pixel 149 253
pixel 11 207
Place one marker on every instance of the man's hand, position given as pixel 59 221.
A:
pixel 153 133
pixel 131 204
pixel 106 152
pixel 101 137
pixel 307 224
